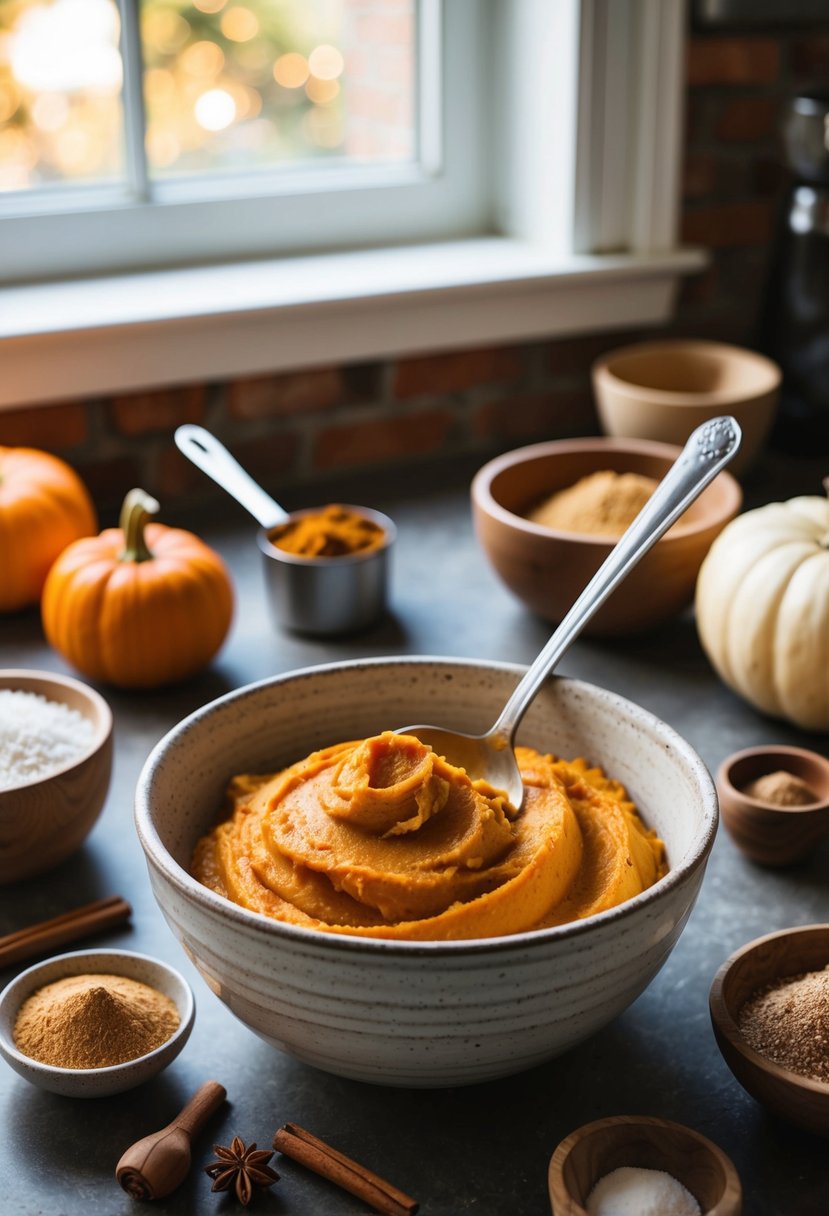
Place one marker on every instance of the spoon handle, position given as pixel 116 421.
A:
pixel 708 449
pixel 213 458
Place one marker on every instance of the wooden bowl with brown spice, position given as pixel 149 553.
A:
pixel 774 802
pixel 547 566
pixel 767 1004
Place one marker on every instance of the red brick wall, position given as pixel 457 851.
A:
pixel 290 427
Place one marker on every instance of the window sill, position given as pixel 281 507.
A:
pixel 138 331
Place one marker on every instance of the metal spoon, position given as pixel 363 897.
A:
pixel 490 756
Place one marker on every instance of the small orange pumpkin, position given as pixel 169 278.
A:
pixel 44 506
pixel 138 606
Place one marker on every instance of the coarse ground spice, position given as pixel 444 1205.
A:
pixel 601 504
pixel 781 789
pixel 788 1022
pixel 94 1021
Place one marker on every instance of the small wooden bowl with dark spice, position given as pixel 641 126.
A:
pixel 639 1141
pixel 774 802
pixel 766 1001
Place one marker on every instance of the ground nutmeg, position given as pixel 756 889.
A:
pixel 787 1021
pixel 94 1021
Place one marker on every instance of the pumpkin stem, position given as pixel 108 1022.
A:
pixel 137 509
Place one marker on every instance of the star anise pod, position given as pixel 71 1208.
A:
pixel 241 1168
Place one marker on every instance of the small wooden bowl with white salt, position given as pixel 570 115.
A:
pixel 657 1160
pixel 55 768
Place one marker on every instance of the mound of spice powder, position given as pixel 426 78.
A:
pixel 94 1021
pixel 788 1022
pixel 335 531
pixel 602 504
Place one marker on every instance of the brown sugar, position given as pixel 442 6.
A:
pixel 601 504
pixel 781 789
pixel 94 1021
pixel 788 1022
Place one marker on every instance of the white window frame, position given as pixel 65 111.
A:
pixel 600 162
pixel 198 219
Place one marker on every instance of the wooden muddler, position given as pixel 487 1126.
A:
pixel 153 1167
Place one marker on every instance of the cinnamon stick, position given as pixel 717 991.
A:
pixel 70 926
pixel 300 1145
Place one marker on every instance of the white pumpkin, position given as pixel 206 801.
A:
pixel 762 607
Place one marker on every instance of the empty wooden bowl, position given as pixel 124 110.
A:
pixel 769 834
pixel 43 821
pixel 547 569
pixel 664 389
pixel 788 953
pixel 596 1149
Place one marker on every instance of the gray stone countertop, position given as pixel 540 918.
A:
pixel 482 1149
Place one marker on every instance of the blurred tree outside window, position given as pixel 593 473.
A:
pixel 228 87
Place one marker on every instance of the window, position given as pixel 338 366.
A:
pixel 528 185
pixel 188 130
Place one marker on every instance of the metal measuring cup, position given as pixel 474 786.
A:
pixel 315 595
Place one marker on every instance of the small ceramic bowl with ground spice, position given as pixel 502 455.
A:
pixel 658 1165
pixel 774 802
pixel 55 768
pixel 545 548
pixel 101 1021
pixel 769 1005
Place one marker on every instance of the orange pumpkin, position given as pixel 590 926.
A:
pixel 138 606
pixel 44 506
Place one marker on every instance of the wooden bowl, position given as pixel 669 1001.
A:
pixel 594 1150
pixel 664 389
pixel 768 834
pixel 547 569
pixel 43 822
pixel 789 952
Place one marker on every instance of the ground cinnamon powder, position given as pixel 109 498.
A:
pixel 781 789
pixel 335 531
pixel 602 504
pixel 788 1022
pixel 94 1021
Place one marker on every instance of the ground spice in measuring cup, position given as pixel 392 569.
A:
pixel 787 1021
pixel 94 1021
pixel 335 531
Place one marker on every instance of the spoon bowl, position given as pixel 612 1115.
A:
pixel 490 757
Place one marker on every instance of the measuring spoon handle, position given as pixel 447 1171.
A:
pixel 708 449
pixel 213 458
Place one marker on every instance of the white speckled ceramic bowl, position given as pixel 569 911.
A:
pixel 426 1013
pixel 95 1082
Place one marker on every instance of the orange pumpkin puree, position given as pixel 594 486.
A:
pixel 384 838
pixel 335 531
